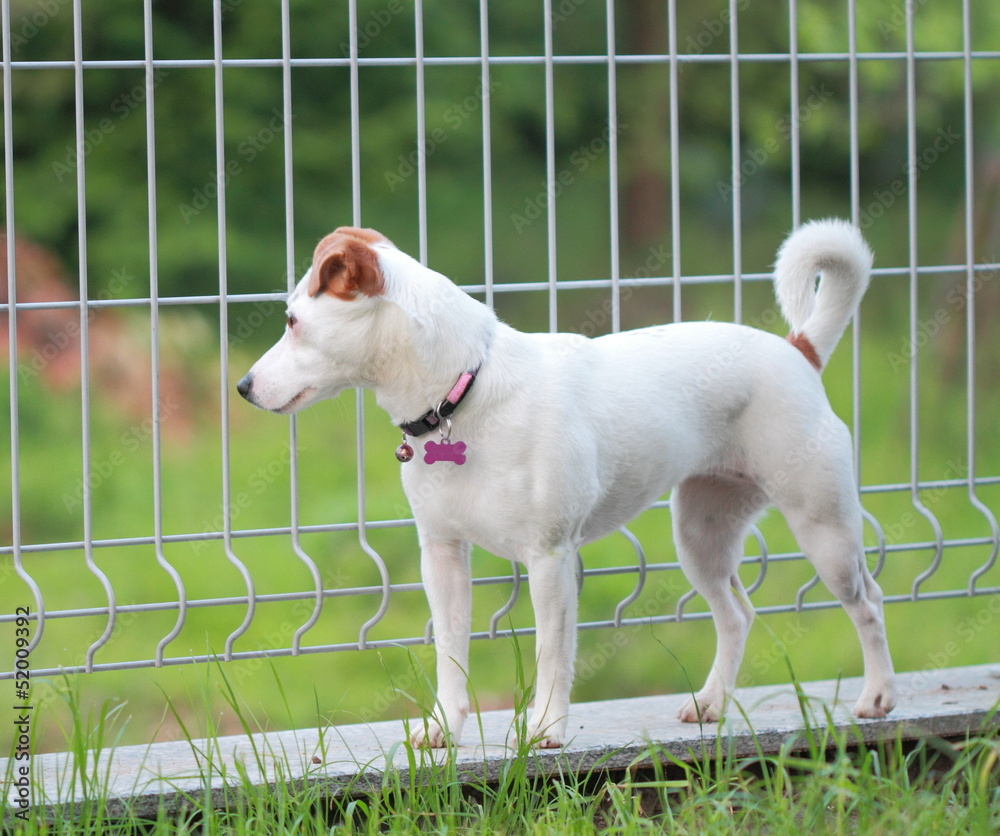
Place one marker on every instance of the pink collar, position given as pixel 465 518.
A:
pixel 432 418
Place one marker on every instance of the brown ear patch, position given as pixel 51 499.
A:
pixel 363 234
pixel 801 342
pixel 344 264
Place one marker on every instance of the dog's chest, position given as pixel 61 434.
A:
pixel 456 502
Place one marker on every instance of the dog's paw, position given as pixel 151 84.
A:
pixel 875 702
pixel 544 735
pixel 701 709
pixel 541 741
pixel 429 735
pixel 434 733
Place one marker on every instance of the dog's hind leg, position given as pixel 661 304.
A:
pixel 447 577
pixel 829 533
pixel 711 517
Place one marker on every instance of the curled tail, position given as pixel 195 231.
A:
pixel 835 250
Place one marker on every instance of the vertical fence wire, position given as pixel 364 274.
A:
pixel 486 88
pixel 366 547
pixel 220 168
pixel 640 582
pixel 854 131
pixel 84 309
pixel 795 127
pixel 616 300
pixel 290 277
pixel 421 95
pixel 737 178
pixel 855 198
pixel 675 162
pixel 550 167
pixel 11 248
pixel 913 172
pixel 795 139
pixel 854 139
pixel 970 300
pixel 154 338
pixel 508 605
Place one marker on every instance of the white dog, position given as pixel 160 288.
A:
pixel 562 439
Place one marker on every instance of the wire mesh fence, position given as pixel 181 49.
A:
pixel 327 569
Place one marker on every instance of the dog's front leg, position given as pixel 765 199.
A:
pixel 552 581
pixel 444 566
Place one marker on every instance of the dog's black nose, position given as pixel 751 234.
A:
pixel 243 387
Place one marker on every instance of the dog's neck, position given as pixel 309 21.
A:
pixel 428 340
pixel 412 388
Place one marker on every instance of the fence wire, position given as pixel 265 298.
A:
pixel 917 556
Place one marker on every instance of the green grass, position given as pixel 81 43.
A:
pixel 821 780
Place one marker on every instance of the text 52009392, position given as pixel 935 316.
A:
pixel 20 795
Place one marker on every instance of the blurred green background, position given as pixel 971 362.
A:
pixel 345 687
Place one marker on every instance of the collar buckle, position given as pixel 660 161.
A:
pixel 432 419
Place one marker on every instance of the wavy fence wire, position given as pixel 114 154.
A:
pixel 918 558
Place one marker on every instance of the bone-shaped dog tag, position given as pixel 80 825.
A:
pixel 444 451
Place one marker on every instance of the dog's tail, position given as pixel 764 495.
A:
pixel 835 250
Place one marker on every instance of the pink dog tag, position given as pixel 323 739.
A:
pixel 445 451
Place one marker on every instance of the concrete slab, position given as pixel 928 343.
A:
pixel 606 735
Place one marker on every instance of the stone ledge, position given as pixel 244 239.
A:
pixel 613 734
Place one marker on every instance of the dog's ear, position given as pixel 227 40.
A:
pixel 344 267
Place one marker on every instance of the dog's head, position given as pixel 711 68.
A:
pixel 327 344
